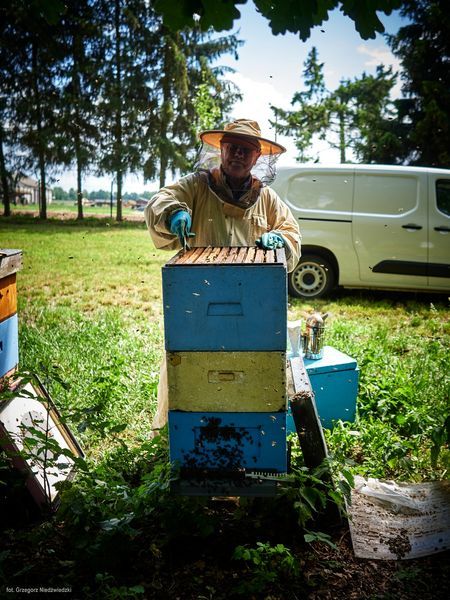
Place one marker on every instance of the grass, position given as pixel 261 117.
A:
pixel 90 319
pixel 86 266
pixel 104 277
pixel 70 209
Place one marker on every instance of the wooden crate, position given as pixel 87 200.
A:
pixel 225 299
pixel 227 381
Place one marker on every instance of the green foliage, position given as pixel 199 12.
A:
pixel 401 427
pixel 283 15
pixel 212 14
pixel 31 108
pixel 209 113
pixel 267 565
pixel 191 92
pixel 307 493
pixel 423 47
pixel 109 380
pixel 317 536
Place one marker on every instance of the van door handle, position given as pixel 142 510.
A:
pixel 443 228
pixel 412 226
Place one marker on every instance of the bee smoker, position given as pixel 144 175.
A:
pixel 313 339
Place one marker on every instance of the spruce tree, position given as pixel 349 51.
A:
pixel 351 117
pixel 126 71
pixel 423 46
pixel 190 90
pixel 77 117
pixel 29 112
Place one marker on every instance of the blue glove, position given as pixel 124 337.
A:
pixel 180 225
pixel 270 241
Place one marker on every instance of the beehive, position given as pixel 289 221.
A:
pixel 225 337
pixel 10 263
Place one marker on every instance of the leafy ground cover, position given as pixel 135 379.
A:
pixel 91 328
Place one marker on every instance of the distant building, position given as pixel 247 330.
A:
pixel 27 192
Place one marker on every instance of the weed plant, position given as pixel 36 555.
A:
pixel 91 327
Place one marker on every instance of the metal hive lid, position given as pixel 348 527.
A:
pixel 226 255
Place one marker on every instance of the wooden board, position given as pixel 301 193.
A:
pixel 217 255
pixel 304 414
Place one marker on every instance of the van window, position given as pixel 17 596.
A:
pixel 443 196
pixel 386 195
pixel 321 192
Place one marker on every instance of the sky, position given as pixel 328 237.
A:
pixel 268 71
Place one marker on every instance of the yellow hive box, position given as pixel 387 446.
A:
pixel 227 381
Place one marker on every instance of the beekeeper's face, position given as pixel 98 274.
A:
pixel 238 158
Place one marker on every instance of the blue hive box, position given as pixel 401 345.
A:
pixel 9 345
pixel 225 299
pixel 334 380
pixel 228 441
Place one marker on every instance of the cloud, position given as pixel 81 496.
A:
pixel 256 101
pixel 380 55
pixel 255 104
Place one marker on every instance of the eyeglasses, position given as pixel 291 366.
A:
pixel 233 148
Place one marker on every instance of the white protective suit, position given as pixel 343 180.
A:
pixel 217 222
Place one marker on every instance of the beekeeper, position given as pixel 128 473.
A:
pixel 227 201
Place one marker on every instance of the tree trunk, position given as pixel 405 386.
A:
pixel 79 192
pixel 118 141
pixel 38 124
pixel 165 110
pixel 79 174
pixel 76 87
pixel 4 179
pixel 42 189
pixel 342 136
pixel 162 169
pixel 119 176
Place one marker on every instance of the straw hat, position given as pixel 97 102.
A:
pixel 242 130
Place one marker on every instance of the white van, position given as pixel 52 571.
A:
pixel 369 226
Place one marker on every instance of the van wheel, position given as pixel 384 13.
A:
pixel 313 277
